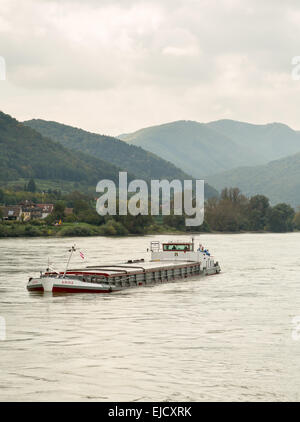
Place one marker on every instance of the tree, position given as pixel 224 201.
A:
pixel 280 218
pixel 71 218
pixel 112 228
pixel 296 220
pixel 90 216
pixel 74 196
pixel 229 213
pixel 31 187
pixel 81 206
pixel 138 224
pixel 204 228
pixel 258 210
pixel 176 221
pixel 1 196
pixel 58 212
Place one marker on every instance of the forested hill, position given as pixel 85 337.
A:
pixel 25 153
pixel 143 164
pixel 279 180
pixel 133 159
pixel 192 146
pixel 209 148
pixel 270 141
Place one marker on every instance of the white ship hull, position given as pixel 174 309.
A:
pixel 166 265
pixel 69 285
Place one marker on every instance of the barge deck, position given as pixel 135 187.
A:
pixel 169 262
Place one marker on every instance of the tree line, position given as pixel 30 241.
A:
pixel 230 212
pixel 234 212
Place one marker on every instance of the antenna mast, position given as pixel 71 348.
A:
pixel 73 249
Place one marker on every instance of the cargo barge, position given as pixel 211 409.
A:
pixel 169 261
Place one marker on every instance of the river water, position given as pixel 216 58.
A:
pixel 219 338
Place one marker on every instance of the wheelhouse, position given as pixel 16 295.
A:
pixel 178 247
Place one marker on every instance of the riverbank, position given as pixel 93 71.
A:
pixel 41 229
pixel 232 212
pixel 111 228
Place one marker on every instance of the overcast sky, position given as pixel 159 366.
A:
pixel 115 66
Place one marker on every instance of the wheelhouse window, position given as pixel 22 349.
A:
pixel 177 247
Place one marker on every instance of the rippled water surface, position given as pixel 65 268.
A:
pixel 224 337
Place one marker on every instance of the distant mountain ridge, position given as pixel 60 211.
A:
pixel 192 146
pixel 204 149
pixel 143 163
pixel 25 153
pixel 134 159
pixel 272 140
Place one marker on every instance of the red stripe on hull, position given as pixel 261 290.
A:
pixel 58 289
pixel 70 290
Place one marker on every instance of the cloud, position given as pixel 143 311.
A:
pixel 180 51
pixel 136 63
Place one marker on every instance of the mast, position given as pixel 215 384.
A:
pixel 70 256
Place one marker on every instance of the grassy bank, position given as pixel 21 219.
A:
pixel 37 228
pixel 111 228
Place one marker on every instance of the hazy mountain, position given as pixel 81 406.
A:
pixel 143 164
pixel 195 147
pixel 279 180
pixel 133 159
pixel 26 153
pixel 205 149
pixel 270 141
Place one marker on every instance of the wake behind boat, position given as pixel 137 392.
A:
pixel 169 261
